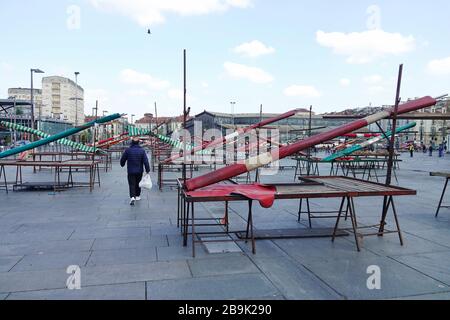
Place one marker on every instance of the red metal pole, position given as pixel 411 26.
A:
pixel 282 152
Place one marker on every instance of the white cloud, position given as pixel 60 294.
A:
pixel 130 76
pixel 149 12
pixel 205 84
pixel 376 90
pixel 344 82
pixel 93 95
pixel 373 79
pixel 439 66
pixel 302 91
pixel 138 93
pixel 177 95
pixel 252 74
pixel 366 46
pixel 253 49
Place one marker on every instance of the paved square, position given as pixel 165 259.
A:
pixel 136 252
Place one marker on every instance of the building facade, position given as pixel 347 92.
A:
pixel 292 128
pixel 25 95
pixel 62 99
pixel 166 125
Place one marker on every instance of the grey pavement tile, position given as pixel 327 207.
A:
pixel 7 262
pixel 51 261
pixel 164 230
pixel 240 286
pixel 32 280
pixel 122 256
pixel 179 253
pixel 41 247
pixel 136 272
pixel 431 296
pixel 99 275
pixel 128 243
pixel 435 265
pixel 32 236
pixel 389 245
pixel 96 233
pixel 322 250
pixel 220 266
pixel 439 235
pixel 39 224
pixel 293 280
pixel 129 291
pixel 264 248
pixel 349 278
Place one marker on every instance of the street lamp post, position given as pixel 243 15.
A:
pixel 233 103
pixel 76 98
pixel 32 71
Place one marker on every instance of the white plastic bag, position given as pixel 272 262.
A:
pixel 146 182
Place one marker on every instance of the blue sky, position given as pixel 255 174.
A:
pixel 282 54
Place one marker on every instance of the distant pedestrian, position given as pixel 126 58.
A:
pixel 430 150
pixel 441 151
pixel 424 148
pixel 411 150
pixel 136 159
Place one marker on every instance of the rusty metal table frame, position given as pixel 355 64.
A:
pixel 172 167
pixel 186 210
pixel 446 175
pixel 104 158
pixel 94 171
pixel 3 174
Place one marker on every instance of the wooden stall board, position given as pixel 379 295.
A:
pixel 445 175
pixel 311 188
pixel 71 165
pixel 364 168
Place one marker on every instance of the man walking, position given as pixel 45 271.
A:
pixel 135 158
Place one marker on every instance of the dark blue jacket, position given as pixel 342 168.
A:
pixel 136 159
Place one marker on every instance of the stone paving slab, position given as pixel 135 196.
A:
pixel 51 261
pixel 18 237
pixel 220 266
pixel 130 243
pixel 7 262
pixel 240 286
pixel 41 247
pixel 43 226
pixel 435 265
pixel 90 276
pixel 129 291
pixel 433 296
pixel 389 245
pixel 122 256
pixel 349 278
pixel 293 280
pixel 96 233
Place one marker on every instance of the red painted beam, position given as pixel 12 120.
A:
pixel 282 152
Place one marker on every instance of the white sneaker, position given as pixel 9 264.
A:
pixel 138 198
pixel 132 201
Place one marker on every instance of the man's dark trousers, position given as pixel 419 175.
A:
pixel 133 183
